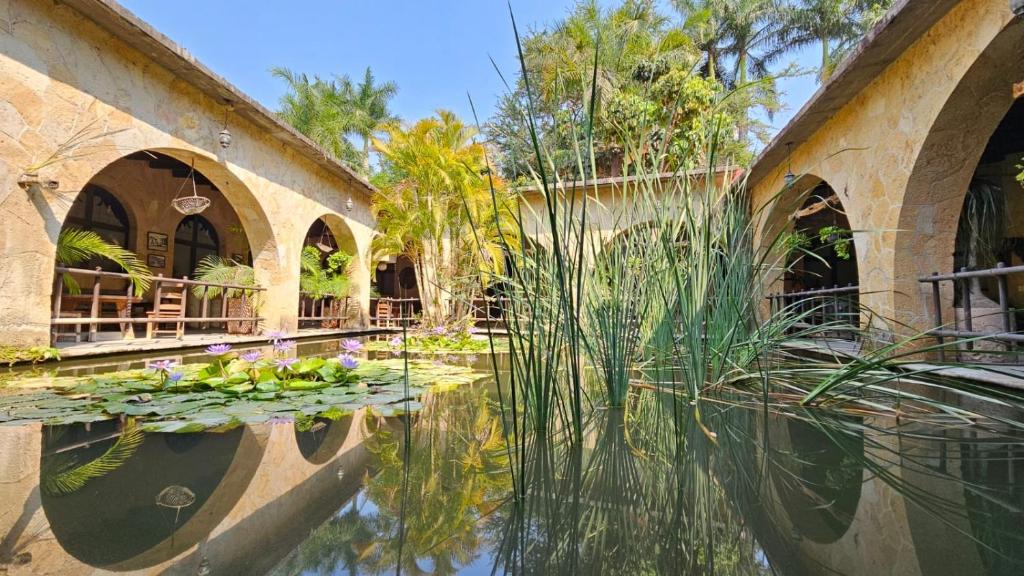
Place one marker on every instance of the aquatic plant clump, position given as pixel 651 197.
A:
pixel 452 339
pixel 225 393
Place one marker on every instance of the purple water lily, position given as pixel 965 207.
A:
pixel 351 345
pixel 276 335
pixel 162 365
pixel 348 362
pixel 437 330
pixel 251 356
pixel 218 349
pixel 284 345
pixel 174 377
pixel 285 363
pixel 396 342
pixel 280 420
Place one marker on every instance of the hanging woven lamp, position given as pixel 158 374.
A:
pixel 325 244
pixel 193 204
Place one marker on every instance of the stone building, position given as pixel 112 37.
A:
pixel 104 121
pixel 927 106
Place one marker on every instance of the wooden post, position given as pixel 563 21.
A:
pixel 224 306
pixel 937 312
pixel 1004 303
pixel 205 308
pixel 182 314
pixel 129 331
pixel 968 321
pixel 94 310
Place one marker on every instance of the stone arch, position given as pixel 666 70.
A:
pixel 782 216
pixel 335 233
pixel 939 179
pixel 144 182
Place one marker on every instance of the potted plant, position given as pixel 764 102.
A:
pixel 325 278
pixel 241 304
pixel 838 238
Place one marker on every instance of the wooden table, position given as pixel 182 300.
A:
pixel 122 303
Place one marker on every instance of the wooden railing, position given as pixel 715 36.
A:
pixel 323 309
pixel 123 303
pixel 401 311
pixel 489 309
pixel 822 306
pixel 1009 334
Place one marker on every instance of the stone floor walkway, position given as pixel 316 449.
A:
pixel 112 343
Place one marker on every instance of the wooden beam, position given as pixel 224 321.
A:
pixel 817 206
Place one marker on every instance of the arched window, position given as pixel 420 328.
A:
pixel 97 210
pixel 194 240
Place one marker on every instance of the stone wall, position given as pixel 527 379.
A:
pixel 901 154
pixel 62 77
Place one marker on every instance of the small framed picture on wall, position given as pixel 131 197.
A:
pixel 156 261
pixel 156 241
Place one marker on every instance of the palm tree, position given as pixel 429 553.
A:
pixel 331 111
pixel 318 108
pixel 834 24
pixel 368 110
pixel 437 209
pixel 76 246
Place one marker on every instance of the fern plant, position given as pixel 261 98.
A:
pixel 76 246
pixel 217 270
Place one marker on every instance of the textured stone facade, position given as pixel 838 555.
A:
pixel 902 151
pixel 61 74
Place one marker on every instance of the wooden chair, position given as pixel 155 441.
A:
pixel 384 313
pixel 169 305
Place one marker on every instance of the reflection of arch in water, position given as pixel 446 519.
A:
pixel 322 441
pixel 969 521
pixel 115 522
pixel 818 478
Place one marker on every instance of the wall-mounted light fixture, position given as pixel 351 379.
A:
pixel 29 180
pixel 349 204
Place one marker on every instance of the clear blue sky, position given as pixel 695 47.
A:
pixel 437 51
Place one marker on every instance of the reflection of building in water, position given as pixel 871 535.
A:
pixel 240 500
pixel 839 500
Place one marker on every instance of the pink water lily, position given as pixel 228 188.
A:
pixel 162 365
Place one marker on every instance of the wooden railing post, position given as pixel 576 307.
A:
pixel 937 313
pixel 94 309
pixel 205 306
pixel 129 330
pixel 224 307
pixel 968 321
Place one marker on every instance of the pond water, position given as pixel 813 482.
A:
pixel 748 492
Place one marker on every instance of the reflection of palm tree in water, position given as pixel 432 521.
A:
pixel 456 473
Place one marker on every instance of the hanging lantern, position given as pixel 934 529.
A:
pixel 349 204
pixel 194 204
pixel 789 178
pixel 225 138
